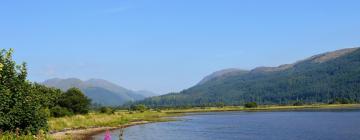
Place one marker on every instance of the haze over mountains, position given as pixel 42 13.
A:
pixel 100 91
pixel 320 78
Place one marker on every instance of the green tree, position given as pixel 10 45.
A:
pixel 20 107
pixel 139 107
pixel 75 101
pixel 220 104
pixel 59 111
pixel 107 110
pixel 251 105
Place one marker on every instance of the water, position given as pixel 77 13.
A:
pixel 287 125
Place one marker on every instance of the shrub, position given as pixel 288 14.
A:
pixel 139 107
pixel 341 101
pixel 75 101
pixel 251 105
pixel 20 106
pixel 107 110
pixel 298 103
pixel 58 111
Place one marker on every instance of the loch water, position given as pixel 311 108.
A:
pixel 275 125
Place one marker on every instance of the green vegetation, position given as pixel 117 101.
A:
pixel 309 81
pixel 104 120
pixel 25 106
pixel 107 110
pixel 251 105
pixel 21 108
pixel 75 101
pixel 139 107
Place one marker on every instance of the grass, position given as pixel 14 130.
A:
pixel 104 120
pixel 14 136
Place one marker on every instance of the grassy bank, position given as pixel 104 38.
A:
pixel 100 120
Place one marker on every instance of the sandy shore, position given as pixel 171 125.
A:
pixel 86 133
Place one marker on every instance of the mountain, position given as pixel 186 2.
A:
pixel 322 78
pixel 222 74
pixel 100 91
pixel 146 93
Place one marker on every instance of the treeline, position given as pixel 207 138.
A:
pixel 307 82
pixel 26 106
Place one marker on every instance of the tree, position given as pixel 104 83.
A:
pixel 220 104
pixel 75 101
pixel 139 107
pixel 20 107
pixel 59 111
pixel 107 110
pixel 251 105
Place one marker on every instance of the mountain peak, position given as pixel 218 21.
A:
pixel 222 73
pixel 332 55
pixel 99 90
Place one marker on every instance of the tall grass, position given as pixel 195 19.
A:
pixel 102 120
pixel 16 136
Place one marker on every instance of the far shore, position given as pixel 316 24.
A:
pixel 86 131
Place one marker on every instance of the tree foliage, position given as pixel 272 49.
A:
pixel 139 107
pixel 75 101
pixel 20 107
pixel 251 105
pixel 25 106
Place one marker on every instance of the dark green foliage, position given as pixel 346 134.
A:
pixel 107 110
pixel 58 111
pixel 25 106
pixel 20 106
pixel 251 105
pixel 342 101
pixel 219 104
pixel 308 81
pixel 298 103
pixel 139 107
pixel 75 101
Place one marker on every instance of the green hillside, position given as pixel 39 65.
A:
pixel 322 78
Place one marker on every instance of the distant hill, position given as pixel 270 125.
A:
pixel 146 93
pixel 321 78
pixel 100 91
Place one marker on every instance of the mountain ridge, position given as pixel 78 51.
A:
pixel 99 90
pixel 320 78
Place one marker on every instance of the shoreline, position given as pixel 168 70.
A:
pixel 87 133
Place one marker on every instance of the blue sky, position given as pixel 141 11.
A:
pixel 170 45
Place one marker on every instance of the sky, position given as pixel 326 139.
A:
pixel 170 45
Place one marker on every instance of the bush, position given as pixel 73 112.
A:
pixel 58 111
pixel 75 101
pixel 220 104
pixel 107 110
pixel 139 107
pixel 20 106
pixel 298 103
pixel 341 101
pixel 251 105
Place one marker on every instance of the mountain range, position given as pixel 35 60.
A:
pixel 100 91
pixel 318 79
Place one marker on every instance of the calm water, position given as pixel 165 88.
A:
pixel 289 125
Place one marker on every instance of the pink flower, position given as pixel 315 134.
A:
pixel 107 135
